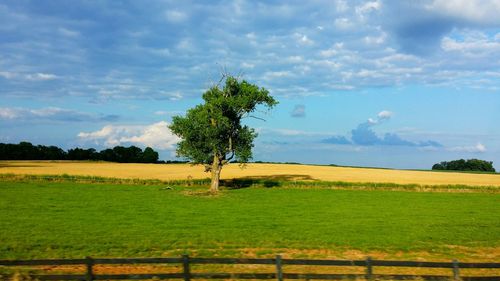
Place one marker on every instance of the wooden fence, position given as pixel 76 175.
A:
pixel 278 274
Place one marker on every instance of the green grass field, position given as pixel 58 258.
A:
pixel 56 219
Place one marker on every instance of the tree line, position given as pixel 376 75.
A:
pixel 465 165
pixel 28 151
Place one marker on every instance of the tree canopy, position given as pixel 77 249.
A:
pixel 212 133
pixel 28 151
pixel 465 165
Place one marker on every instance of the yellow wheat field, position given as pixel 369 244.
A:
pixel 284 171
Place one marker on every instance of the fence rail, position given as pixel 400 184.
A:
pixel 185 261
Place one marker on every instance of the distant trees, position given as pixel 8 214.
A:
pixel 149 155
pixel 28 151
pixel 465 165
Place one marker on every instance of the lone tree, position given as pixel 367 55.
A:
pixel 212 134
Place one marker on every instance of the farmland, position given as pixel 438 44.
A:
pixel 73 220
pixel 68 218
pixel 282 171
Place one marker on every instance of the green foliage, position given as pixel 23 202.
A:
pixel 465 165
pixel 62 220
pixel 82 154
pixel 149 155
pixel 213 130
pixel 28 151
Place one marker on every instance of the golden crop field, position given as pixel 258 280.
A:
pixel 284 171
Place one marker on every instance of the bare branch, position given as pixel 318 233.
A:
pixel 257 118
pixel 240 74
pixel 223 75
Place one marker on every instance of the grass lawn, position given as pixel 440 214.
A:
pixel 56 220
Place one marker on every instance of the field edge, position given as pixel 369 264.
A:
pixel 246 182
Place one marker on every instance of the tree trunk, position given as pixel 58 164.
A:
pixel 216 168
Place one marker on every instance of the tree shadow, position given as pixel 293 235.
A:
pixel 264 181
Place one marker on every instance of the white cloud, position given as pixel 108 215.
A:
pixel 162 112
pixel 294 59
pixel 341 6
pixel 368 7
pixel 381 116
pixel 302 39
pixel 336 49
pixel 186 44
pixel 251 35
pixel 270 75
pixel 163 52
pixel 8 113
pixel 476 11
pixel 51 114
pixel 175 16
pixel 472 44
pixel 41 77
pixel 247 65
pixel 30 77
pixel 156 135
pixel 7 74
pixel 102 133
pixel 385 114
pixel 343 23
pixel 328 53
pixel 173 96
pixel 375 40
pixel 68 33
pixel 478 148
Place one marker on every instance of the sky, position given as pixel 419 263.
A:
pixel 396 84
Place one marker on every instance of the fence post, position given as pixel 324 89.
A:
pixel 185 264
pixel 279 269
pixel 456 271
pixel 369 269
pixel 89 263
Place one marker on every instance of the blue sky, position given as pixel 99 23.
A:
pixel 401 84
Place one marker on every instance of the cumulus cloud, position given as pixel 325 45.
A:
pixel 156 135
pixel 303 39
pixel 381 117
pixel 368 7
pixel 299 111
pixel 389 47
pixel 337 140
pixel 472 44
pixel 385 114
pixel 364 135
pixel 52 114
